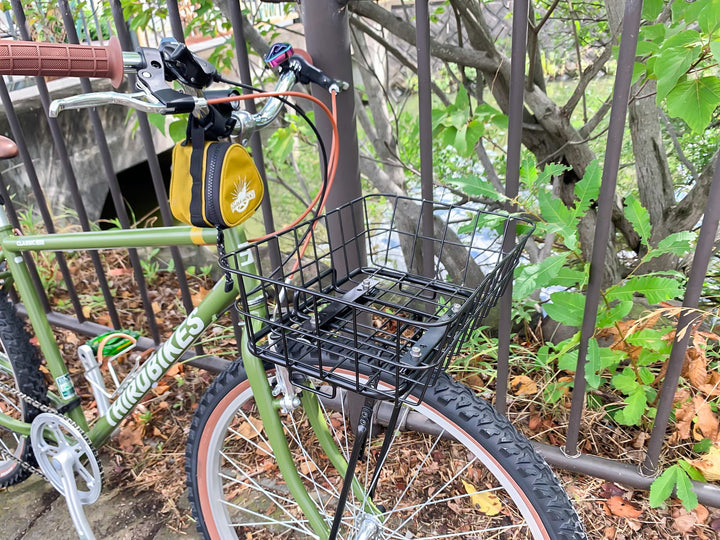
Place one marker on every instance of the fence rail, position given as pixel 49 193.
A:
pixel 91 25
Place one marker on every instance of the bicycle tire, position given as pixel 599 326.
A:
pixel 21 371
pixel 256 490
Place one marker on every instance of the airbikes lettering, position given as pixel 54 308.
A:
pixel 154 368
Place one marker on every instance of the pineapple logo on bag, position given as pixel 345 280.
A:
pixel 242 195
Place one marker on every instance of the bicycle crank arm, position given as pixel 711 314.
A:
pixel 63 463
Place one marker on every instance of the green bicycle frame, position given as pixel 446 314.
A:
pixel 205 314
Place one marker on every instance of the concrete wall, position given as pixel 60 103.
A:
pixel 125 146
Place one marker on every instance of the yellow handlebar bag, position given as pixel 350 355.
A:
pixel 214 185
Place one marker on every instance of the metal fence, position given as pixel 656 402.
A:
pixel 327 38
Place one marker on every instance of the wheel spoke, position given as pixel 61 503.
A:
pixel 425 481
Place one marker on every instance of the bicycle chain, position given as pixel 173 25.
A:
pixel 47 409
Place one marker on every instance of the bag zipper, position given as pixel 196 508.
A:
pixel 215 155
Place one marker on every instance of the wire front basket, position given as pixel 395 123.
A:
pixel 376 296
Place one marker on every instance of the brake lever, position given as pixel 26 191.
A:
pixel 137 100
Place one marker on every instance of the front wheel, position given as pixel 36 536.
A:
pixel 456 469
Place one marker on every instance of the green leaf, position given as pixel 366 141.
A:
pixel 645 48
pixel 461 99
pixel 648 357
pixel 157 120
pixel 282 142
pixel 678 243
pixel 447 136
pixel 662 487
pixel 610 358
pixel 568 361
pixel 551 170
pixel 625 381
pixel 528 172
pixel 646 376
pixel 639 217
pixel 543 355
pixel 554 210
pixel 694 100
pixel 648 338
pixel 702 447
pixel 475 130
pixel 715 50
pixel 685 491
pixel 691 471
pixel 651 9
pixel 460 142
pixel 587 189
pixel 677 54
pixel 653 32
pixel 655 288
pixel 476 187
pixel 608 317
pixel 593 367
pixel 534 276
pixel 709 17
pixel 688 11
pixel 566 307
pixel 568 277
pixel 631 414
pixel 178 129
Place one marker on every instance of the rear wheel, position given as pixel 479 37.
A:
pixel 456 470
pixel 19 369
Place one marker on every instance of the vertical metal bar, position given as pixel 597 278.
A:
pixel 156 174
pixel 175 20
pixel 241 52
pixel 512 185
pixel 327 36
pixel 621 95
pixel 64 160
pixel 39 196
pixel 422 37
pixel 29 261
pixel 97 23
pixel 61 148
pixel 688 317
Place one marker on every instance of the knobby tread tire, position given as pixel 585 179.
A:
pixel 29 379
pixel 514 452
pixel 458 403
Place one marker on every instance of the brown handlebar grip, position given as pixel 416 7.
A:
pixel 35 58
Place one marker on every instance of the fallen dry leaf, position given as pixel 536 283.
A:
pixel 130 436
pixel 709 464
pixel 696 368
pixel 523 385
pixel 199 296
pixel 702 513
pixel 684 521
pixel 611 489
pixel 250 429
pixel 488 503
pixel 706 423
pixel 622 508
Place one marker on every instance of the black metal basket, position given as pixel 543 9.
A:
pixel 388 287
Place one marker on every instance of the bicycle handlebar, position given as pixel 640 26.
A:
pixel 62 60
pixel 171 61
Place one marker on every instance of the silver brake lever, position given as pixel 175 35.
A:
pixel 137 100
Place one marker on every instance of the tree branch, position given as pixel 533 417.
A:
pixel 587 76
pixel 489 167
pixel 670 130
pixel 399 56
pixel 601 113
pixel 685 214
pixel 406 32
